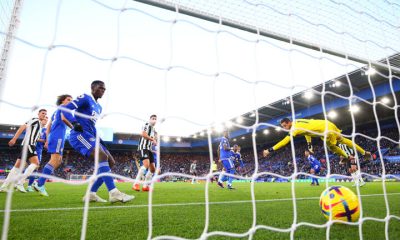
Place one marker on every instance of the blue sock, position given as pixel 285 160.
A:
pixel 230 179
pixel 109 181
pixel 31 180
pixel 97 184
pixel 224 178
pixel 48 170
pixel 312 180
pixel 316 180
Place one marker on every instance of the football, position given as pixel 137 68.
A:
pixel 341 203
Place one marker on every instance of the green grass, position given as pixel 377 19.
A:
pixel 186 219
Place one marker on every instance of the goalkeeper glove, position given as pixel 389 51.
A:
pixel 310 148
pixel 77 127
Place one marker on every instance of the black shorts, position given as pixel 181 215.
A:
pixel 146 154
pixel 352 162
pixel 30 151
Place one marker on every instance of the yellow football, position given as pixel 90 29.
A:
pixel 341 203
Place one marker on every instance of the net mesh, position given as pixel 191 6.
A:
pixel 369 30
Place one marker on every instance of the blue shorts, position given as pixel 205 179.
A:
pixel 316 168
pixel 83 142
pixel 56 144
pixel 228 164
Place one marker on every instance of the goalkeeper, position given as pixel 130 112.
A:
pixel 310 128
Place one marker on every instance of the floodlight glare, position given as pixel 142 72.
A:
pixel 332 114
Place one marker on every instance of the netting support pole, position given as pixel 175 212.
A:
pixel 5 51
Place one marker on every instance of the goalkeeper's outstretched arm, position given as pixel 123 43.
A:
pixel 277 146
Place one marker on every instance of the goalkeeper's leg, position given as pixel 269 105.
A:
pixel 337 150
pixel 349 143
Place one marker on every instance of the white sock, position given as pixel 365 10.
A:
pixel 149 175
pixel 140 174
pixel 143 174
pixel 29 170
pixel 354 176
pixel 112 191
pixel 220 177
pixel 192 180
pixel 13 173
pixel 360 179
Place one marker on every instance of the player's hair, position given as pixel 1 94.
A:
pixel 285 120
pixel 225 132
pixel 96 82
pixel 42 110
pixel 61 99
pixel 153 116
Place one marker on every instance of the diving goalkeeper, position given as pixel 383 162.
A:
pixel 310 128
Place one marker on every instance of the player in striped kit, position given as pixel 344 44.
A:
pixel 147 140
pixel 351 165
pixel 39 149
pixel 32 130
pixel 193 171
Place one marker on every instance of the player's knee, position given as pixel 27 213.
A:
pixel 146 163
pixel 152 168
pixel 55 160
pixel 34 160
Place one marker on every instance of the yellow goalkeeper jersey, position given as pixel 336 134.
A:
pixel 214 167
pixel 310 128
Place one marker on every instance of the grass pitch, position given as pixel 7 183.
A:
pixel 179 210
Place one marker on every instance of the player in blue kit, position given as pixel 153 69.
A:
pixel 39 150
pixel 225 155
pixel 315 166
pixel 55 131
pixel 83 140
pixel 237 158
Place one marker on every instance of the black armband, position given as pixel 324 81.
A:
pixel 271 149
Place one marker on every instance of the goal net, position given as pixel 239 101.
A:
pixel 206 66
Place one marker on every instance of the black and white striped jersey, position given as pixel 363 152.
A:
pixel 32 131
pixel 143 142
pixel 346 149
pixel 193 167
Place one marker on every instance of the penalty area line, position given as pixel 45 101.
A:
pixel 175 204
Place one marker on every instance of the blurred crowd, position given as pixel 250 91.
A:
pixel 281 162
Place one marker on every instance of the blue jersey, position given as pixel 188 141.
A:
pixel 40 145
pixel 58 127
pixel 314 163
pixel 154 151
pixel 85 104
pixel 224 154
pixel 237 159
